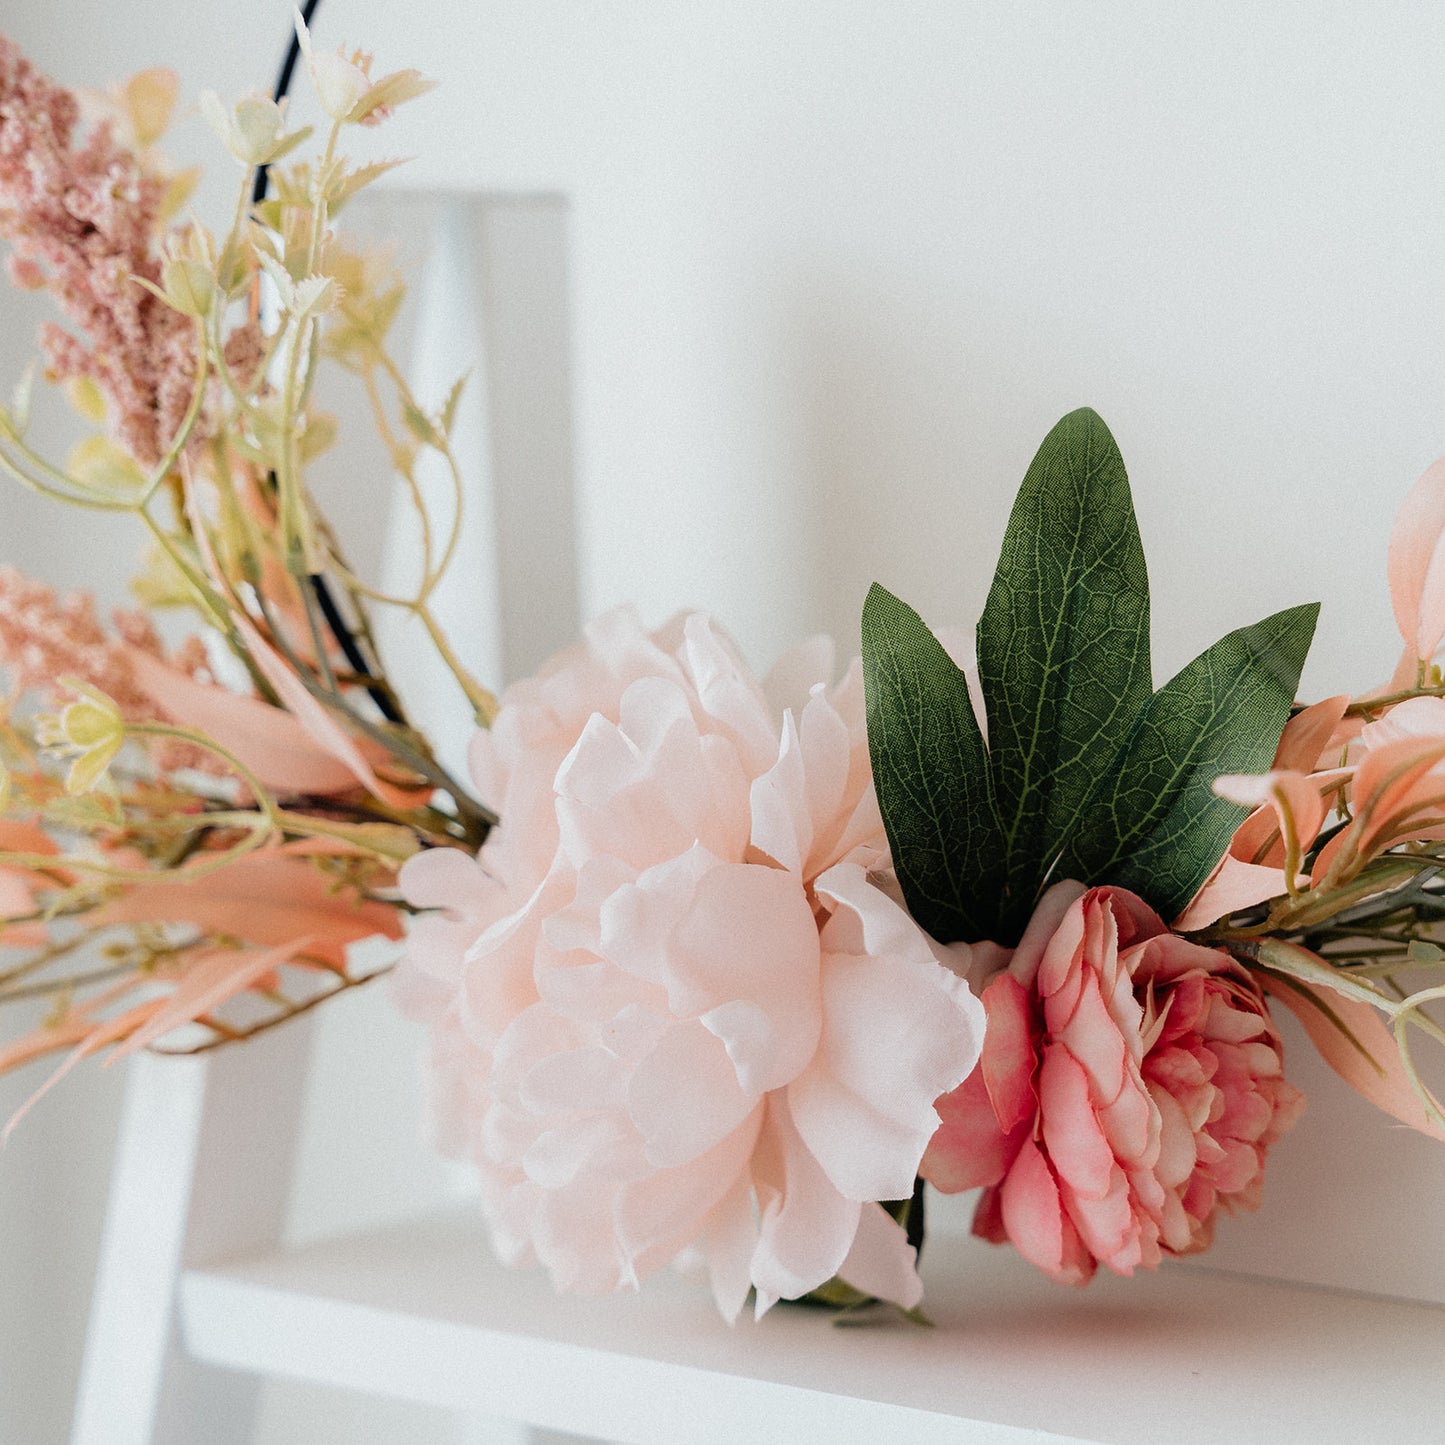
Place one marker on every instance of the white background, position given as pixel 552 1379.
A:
pixel 835 269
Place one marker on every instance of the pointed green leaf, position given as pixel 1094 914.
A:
pixel 931 773
pixel 1155 826
pixel 1063 649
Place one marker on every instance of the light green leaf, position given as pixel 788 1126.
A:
pixel 1063 650
pixel 931 771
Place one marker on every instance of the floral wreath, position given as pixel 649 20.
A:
pixel 714 968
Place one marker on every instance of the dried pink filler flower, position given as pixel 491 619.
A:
pixel 83 218
pixel 44 638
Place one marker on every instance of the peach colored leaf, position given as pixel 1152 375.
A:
pixel 43 1041
pixel 1356 1043
pixel 322 728
pixel 1417 563
pixel 1281 800
pixel 78 1022
pixel 1392 783
pixel 16 837
pixel 96 1037
pixel 269 741
pixel 19 885
pixel 1307 736
pixel 318 723
pixel 269 897
pixel 211 979
pixel 1232 886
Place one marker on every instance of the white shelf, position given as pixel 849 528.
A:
pixel 421 1312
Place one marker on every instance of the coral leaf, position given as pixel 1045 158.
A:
pixel 1355 1042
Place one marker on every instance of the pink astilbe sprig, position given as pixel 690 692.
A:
pixel 82 216
pixel 45 637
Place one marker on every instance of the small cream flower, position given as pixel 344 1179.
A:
pixel 253 129
pixel 188 274
pixel 90 730
pixel 345 88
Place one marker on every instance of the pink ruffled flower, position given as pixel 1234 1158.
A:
pixel 1130 1086
pixel 671 1004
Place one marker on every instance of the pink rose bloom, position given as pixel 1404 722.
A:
pixel 671 1005
pixel 1130 1086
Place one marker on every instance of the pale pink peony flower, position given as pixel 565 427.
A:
pixel 1130 1086
pixel 671 1006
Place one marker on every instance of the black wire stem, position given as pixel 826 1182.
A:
pixel 325 599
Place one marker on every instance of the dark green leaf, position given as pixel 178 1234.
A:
pixel 931 772
pixel 1155 826
pixel 1063 650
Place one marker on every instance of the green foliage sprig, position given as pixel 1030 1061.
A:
pixel 1087 772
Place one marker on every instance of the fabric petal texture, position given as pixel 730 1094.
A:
pixel 1130 1089
pixel 676 1004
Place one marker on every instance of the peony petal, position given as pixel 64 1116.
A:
pixel 728 694
pixel 443 878
pixel 807 1227
pixel 567 1150
pixel 532 1035
pixel 749 935
pixel 575 1079
pixel 571 1231
pixel 968 1149
pixel 1095 1042
pixel 1010 1052
pixel 1033 1217
pixel 782 824
pixel 747 1033
pixel 1051 915
pixel 1077 1148
pixel 836 779
pixel 1417 563
pixel 1177 1151
pixel 684 1096
pixel 729 1238
pixel 898 1031
pixel 892 1043
pixel 648 787
pixel 881 1262
pixel 658 1215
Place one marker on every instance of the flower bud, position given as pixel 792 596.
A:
pixel 188 285
pixel 253 130
pixel 90 730
pixel 339 84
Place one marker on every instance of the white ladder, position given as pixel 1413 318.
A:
pixel 206 1153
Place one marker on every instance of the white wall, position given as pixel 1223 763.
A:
pixel 836 268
